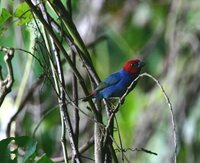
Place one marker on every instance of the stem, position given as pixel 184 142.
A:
pixel 98 143
pixel 61 48
pixel 50 43
pixel 166 98
pixel 59 8
pixel 75 99
pixel 6 84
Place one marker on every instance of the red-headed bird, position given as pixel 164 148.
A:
pixel 117 83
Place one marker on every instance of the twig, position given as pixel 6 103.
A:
pixel 82 50
pixel 28 52
pixel 61 48
pixel 166 98
pixel 113 153
pixel 61 97
pixel 42 119
pixel 171 111
pixel 82 149
pixel 6 84
pixel 75 99
pixel 138 150
pixel 70 41
pixel 63 107
pixel 123 150
pixel 59 8
pixel 28 96
pixel 119 136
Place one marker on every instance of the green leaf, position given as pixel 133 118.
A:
pixel 44 159
pixel 29 144
pixel 4 16
pixel 4 150
pixel 25 142
pixel 23 12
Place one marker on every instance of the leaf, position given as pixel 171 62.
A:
pixel 23 12
pixel 4 150
pixel 5 15
pixel 25 142
pixel 29 144
pixel 44 159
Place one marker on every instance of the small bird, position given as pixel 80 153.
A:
pixel 116 84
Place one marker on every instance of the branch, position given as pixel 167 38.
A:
pixel 82 149
pixel 63 105
pixel 61 48
pixel 138 150
pixel 75 99
pixel 6 84
pixel 171 111
pixel 28 96
pixel 54 51
pixel 166 98
pixel 84 54
pixel 143 150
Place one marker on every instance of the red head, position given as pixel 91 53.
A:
pixel 133 66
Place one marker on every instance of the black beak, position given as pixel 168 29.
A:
pixel 141 64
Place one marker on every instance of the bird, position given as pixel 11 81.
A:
pixel 116 84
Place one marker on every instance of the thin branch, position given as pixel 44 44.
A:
pixel 119 136
pixel 42 119
pixel 171 111
pixel 63 107
pixel 92 119
pixel 107 143
pixel 28 96
pixel 70 41
pixel 82 49
pixel 59 45
pixel 138 150
pixel 166 98
pixel 123 150
pixel 6 84
pixel 28 52
pixel 60 9
pixel 75 99
pixel 61 97
pixel 113 153
pixel 82 149
pixel 143 150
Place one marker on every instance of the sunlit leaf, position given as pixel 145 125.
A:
pixel 23 13
pixel 5 15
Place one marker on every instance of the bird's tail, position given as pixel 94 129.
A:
pixel 89 97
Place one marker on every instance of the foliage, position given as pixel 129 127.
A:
pixel 27 143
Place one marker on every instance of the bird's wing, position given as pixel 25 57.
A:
pixel 110 80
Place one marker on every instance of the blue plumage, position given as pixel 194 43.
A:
pixel 116 84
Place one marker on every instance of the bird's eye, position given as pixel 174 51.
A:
pixel 134 64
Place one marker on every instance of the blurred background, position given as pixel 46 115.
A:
pixel 163 33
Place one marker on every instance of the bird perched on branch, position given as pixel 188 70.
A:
pixel 117 83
